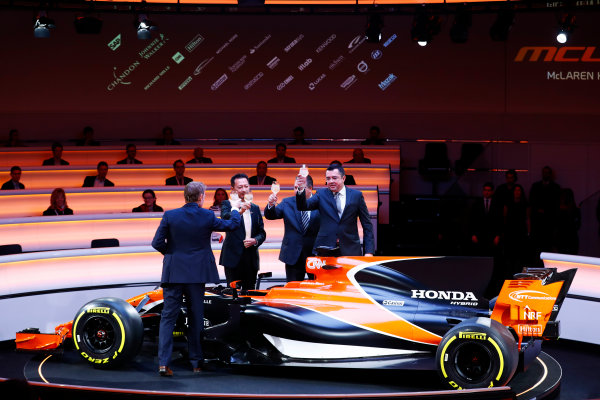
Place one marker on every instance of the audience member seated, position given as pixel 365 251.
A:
pixel 88 138
pixel 374 137
pixel 280 149
pixel 58 204
pixel 14 182
pixel 299 136
pixel 178 179
pixel 261 177
pixel 167 139
pixel 199 157
pixel 349 178
pixel 358 157
pixel 13 139
pixel 149 204
pixel 131 151
pixel 100 179
pixel 56 158
pixel 220 195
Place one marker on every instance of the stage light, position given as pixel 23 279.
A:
pixel 374 27
pixel 425 27
pixel 566 25
pixel 459 32
pixel 88 25
pixel 502 25
pixel 42 26
pixel 145 27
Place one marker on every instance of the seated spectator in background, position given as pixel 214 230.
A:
pixel 220 195
pixel 100 179
pixel 199 157
pixel 374 137
pixel 280 149
pixel 13 139
pixel 149 204
pixel 167 139
pixel 299 136
pixel 349 178
pixel 88 138
pixel 261 177
pixel 58 204
pixel 56 158
pixel 15 177
pixel 358 157
pixel 178 179
pixel 131 151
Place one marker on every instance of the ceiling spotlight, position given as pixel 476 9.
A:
pixel 42 26
pixel 145 27
pixel 88 25
pixel 566 24
pixel 374 27
pixel 502 25
pixel 425 27
pixel 459 32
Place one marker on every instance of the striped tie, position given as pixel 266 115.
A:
pixel 305 221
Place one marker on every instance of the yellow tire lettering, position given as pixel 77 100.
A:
pixel 75 330
pixel 491 384
pixel 443 356
pixel 501 369
pixel 114 314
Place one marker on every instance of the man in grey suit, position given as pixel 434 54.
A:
pixel 183 237
pixel 339 206
pixel 300 231
pixel 239 254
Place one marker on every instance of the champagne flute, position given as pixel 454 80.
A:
pixel 248 197
pixel 303 171
pixel 275 187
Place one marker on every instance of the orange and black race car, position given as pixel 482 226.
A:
pixel 365 312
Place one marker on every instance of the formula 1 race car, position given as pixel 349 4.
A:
pixel 367 312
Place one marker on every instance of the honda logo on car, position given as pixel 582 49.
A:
pixel 521 295
pixel 314 263
pixel 442 295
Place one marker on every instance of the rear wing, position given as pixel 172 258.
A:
pixel 529 303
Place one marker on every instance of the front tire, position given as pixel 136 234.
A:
pixel 107 332
pixel 477 353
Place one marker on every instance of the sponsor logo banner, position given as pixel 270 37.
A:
pixel 393 303
pixel 178 57
pixel 253 80
pixel 121 77
pixel 115 43
pixel 558 54
pixel 238 64
pixel 384 84
pixel 529 330
pixel 314 263
pixel 336 62
pixel 184 83
pixel 362 67
pixel 202 65
pixel 390 40
pixel 286 82
pixel 305 64
pixel 260 44
pixel 218 82
pixel 472 335
pixel 524 295
pixel 313 84
pixel 293 43
pixel 227 43
pixel 348 82
pixel 154 46
pixel 191 46
pixel 355 43
pixel 326 43
pixel 376 54
pixel 157 77
pixel 273 63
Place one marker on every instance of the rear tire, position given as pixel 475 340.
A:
pixel 107 332
pixel 477 353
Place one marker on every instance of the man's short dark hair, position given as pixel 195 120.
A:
pixel 261 162
pixel 102 163
pixel 56 145
pixel 88 129
pixel 336 165
pixel 513 172
pixel 299 129
pixel 238 176
pixel 489 185
pixel 178 161
pixel 15 168
pixel 281 145
pixel 309 181
pixel 129 146
pixel 375 128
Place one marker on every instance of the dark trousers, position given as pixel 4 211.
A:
pixel 173 300
pixel 296 272
pixel 245 271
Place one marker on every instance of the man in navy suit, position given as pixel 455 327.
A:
pixel 183 237
pixel 300 231
pixel 239 254
pixel 179 179
pixel 339 207
pixel 100 179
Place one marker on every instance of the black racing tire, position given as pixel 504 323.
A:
pixel 107 332
pixel 477 353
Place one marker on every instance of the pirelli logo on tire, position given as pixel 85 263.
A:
pixel 472 335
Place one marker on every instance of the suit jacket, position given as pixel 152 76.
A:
pixel 50 161
pixel 233 245
pixel 172 181
pixel 484 225
pixel 286 159
pixel 10 186
pixel 201 160
pixel 124 161
pixel 183 237
pixel 51 212
pixel 344 229
pixel 143 208
pixel 366 161
pixel 89 181
pixel 253 180
pixel 295 242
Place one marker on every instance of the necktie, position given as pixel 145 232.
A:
pixel 305 220
pixel 487 205
pixel 338 203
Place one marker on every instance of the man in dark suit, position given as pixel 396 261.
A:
pixel 239 254
pixel 485 222
pixel 15 177
pixel 261 177
pixel 56 158
pixel 100 179
pixel 199 157
pixel 358 157
pixel 131 151
pixel 300 231
pixel 178 179
pixel 280 150
pixel 339 207
pixel 184 238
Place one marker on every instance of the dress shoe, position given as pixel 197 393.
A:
pixel 197 370
pixel 164 370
